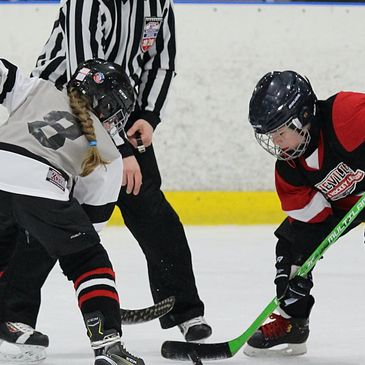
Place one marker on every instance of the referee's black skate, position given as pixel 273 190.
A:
pixel 195 329
pixel 280 337
pixel 107 345
pixel 21 343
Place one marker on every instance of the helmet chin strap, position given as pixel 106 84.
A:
pixel 314 131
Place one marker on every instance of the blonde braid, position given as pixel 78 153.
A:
pixel 80 108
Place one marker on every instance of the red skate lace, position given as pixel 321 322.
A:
pixel 278 327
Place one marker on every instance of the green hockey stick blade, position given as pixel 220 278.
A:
pixel 178 350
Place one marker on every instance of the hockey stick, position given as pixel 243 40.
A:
pixel 135 316
pixel 214 351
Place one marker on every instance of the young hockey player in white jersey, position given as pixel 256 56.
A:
pixel 49 139
pixel 139 36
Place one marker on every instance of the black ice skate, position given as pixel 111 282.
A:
pixel 107 346
pixel 196 329
pixel 281 337
pixel 21 343
pixel 116 354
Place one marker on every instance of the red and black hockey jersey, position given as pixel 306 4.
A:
pixel 333 175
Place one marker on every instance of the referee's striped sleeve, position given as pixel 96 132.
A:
pixel 83 33
pixel 159 70
pixel 77 35
pixel 51 64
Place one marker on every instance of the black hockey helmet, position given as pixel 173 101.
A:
pixel 278 97
pixel 282 98
pixel 109 90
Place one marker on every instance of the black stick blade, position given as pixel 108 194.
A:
pixel 176 350
pixel 135 316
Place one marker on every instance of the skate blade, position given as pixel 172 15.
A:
pixel 291 349
pixel 15 353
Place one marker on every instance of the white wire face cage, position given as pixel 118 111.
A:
pixel 267 143
pixel 116 122
pixel 118 103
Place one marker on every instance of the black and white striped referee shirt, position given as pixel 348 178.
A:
pixel 137 34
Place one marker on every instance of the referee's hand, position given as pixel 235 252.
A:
pixel 140 134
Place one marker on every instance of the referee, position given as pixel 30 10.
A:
pixel 140 36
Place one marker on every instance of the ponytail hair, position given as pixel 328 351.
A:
pixel 80 106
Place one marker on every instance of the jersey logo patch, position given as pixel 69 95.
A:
pixel 150 30
pixel 340 182
pixel 54 177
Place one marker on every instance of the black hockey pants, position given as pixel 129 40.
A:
pixel 58 229
pixel 159 232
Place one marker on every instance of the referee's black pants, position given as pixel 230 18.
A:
pixel 159 232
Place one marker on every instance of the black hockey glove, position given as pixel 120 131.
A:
pixel 288 291
pixel 298 288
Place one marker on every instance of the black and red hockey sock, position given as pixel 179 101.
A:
pixel 94 282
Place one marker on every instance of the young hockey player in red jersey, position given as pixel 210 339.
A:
pixel 319 175
pixel 51 138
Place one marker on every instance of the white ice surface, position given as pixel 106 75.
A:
pixel 234 269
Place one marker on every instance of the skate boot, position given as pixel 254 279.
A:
pixel 21 343
pixel 281 337
pixel 107 346
pixel 116 354
pixel 195 329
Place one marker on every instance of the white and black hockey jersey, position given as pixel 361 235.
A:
pixel 42 146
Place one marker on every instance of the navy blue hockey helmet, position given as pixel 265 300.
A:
pixel 282 98
pixel 278 97
pixel 109 90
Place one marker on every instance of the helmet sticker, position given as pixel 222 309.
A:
pixel 257 126
pixel 123 94
pixel 294 101
pixel 99 77
pixel 82 74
